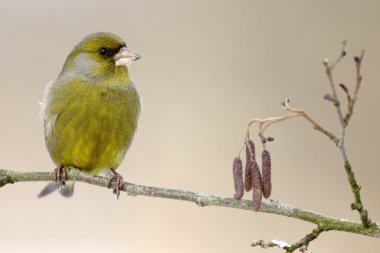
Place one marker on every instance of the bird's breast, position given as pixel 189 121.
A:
pixel 95 128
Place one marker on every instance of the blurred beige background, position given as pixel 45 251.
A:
pixel 207 68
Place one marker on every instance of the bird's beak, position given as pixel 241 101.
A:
pixel 125 56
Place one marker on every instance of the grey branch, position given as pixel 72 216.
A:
pixel 202 199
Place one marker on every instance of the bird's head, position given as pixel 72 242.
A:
pixel 99 55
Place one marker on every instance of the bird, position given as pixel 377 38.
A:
pixel 91 111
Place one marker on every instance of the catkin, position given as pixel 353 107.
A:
pixel 237 169
pixel 267 174
pixel 257 188
pixel 252 146
pixel 250 159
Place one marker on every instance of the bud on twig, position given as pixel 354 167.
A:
pixel 250 159
pixel 257 188
pixel 343 53
pixel 303 249
pixel 344 87
pixel 285 104
pixel 238 178
pixel 267 173
pixel 329 97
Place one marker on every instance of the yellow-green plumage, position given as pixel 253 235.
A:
pixel 91 110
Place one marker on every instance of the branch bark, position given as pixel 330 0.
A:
pixel 324 222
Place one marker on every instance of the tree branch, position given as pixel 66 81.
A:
pixel 202 199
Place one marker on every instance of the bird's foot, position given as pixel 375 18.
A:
pixel 118 182
pixel 60 176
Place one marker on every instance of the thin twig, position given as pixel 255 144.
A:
pixel 352 99
pixel 343 122
pixel 304 242
pixel 341 55
pixel 315 124
pixel 263 124
pixel 337 104
pixel 293 113
pixel 330 68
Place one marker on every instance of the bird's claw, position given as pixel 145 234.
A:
pixel 60 176
pixel 118 182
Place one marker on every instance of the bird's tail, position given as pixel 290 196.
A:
pixel 66 191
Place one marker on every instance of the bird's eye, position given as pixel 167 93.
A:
pixel 105 52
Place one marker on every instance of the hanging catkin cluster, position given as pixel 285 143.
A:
pixel 259 182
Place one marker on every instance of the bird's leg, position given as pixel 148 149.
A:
pixel 118 182
pixel 60 176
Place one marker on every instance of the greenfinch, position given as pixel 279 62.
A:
pixel 91 111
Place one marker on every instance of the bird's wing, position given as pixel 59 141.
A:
pixel 48 117
pixel 49 123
